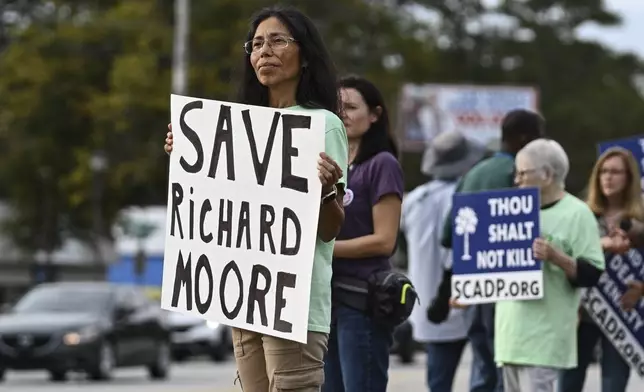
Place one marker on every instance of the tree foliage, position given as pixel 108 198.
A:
pixel 80 76
pixel 586 91
pixel 86 76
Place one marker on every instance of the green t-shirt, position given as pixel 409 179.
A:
pixel 337 147
pixel 544 332
pixel 496 172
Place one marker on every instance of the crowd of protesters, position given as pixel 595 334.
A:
pixel 526 346
pixel 540 345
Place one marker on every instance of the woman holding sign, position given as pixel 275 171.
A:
pixel 288 66
pixel 536 339
pixel 359 344
pixel 614 195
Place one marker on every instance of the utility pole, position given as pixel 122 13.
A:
pixel 180 47
pixel 98 164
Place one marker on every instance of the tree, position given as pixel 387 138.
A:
pixel 586 91
pixel 465 224
pixel 87 76
pixel 68 89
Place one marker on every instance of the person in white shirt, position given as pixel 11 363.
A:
pixel 423 212
pixel 432 118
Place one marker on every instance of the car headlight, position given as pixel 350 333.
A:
pixel 212 324
pixel 83 335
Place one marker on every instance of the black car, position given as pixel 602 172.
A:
pixel 92 327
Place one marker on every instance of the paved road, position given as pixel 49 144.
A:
pixel 203 376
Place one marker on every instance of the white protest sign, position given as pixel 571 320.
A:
pixel 243 206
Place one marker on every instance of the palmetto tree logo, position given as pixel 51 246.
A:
pixel 466 222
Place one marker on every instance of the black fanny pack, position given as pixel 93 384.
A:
pixel 388 296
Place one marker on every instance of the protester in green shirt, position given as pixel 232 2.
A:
pixel 535 339
pixel 518 128
pixel 288 67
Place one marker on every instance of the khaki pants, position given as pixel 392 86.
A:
pixel 269 364
pixel 529 378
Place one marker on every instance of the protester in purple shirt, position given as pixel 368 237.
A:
pixel 358 355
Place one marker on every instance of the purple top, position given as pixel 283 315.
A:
pixel 367 183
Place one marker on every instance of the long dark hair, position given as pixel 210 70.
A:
pixel 317 87
pixel 377 138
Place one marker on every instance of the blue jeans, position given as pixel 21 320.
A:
pixel 358 355
pixel 615 371
pixel 485 375
pixel 442 362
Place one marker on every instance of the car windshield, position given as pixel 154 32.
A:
pixel 64 299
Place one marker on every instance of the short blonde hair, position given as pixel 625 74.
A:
pixel 633 205
pixel 549 155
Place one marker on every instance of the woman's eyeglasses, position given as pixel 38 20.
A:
pixel 274 42
pixel 611 172
pixel 523 173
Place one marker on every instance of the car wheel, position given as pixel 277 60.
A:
pixel 405 342
pixel 180 356
pixel 106 362
pixel 58 375
pixel 406 353
pixel 161 367
pixel 218 353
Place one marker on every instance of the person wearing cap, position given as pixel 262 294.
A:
pixel 446 159
pixel 518 128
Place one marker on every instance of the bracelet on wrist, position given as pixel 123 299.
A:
pixel 329 196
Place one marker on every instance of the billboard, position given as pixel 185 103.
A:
pixel 476 111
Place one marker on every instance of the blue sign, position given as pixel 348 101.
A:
pixel 634 144
pixel 603 302
pixel 492 241
pixel 624 329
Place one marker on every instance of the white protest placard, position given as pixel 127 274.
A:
pixel 243 206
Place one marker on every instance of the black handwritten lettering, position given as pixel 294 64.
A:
pixel 265 226
pixel 183 278
pixel 289 214
pixel 244 225
pixel 205 208
pixel 177 198
pixel 284 279
pixel 258 295
pixel 192 137
pixel 225 223
pixel 289 180
pixel 231 266
pixel 203 264
pixel 223 134
pixel 191 229
pixel 261 167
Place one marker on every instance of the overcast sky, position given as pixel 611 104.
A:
pixel 630 35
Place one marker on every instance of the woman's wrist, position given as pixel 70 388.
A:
pixel 606 243
pixel 640 287
pixel 328 189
